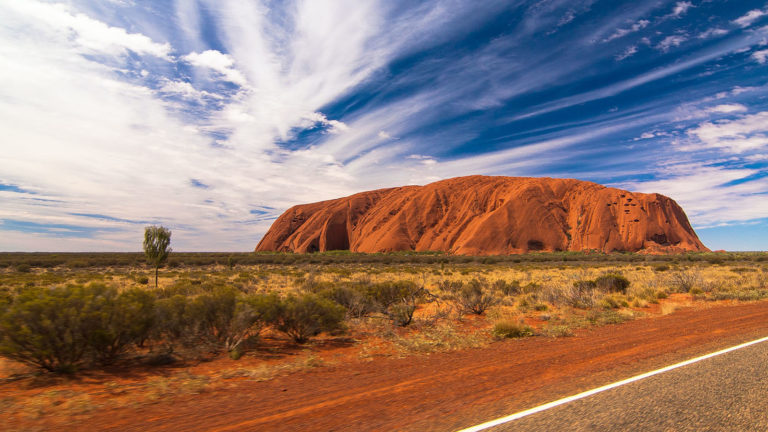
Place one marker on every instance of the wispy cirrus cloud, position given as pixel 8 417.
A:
pixel 629 52
pixel 750 17
pixel 760 56
pixel 680 9
pixel 746 133
pixel 217 62
pixel 671 41
pixel 621 32
pixel 712 32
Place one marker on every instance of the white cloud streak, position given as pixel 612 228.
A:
pixel 713 32
pixel 680 9
pixel 621 32
pixel 741 135
pixel 750 17
pixel 760 56
pixel 90 36
pixel 216 61
pixel 186 91
pixel 629 52
pixel 671 41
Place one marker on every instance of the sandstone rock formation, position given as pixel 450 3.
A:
pixel 479 215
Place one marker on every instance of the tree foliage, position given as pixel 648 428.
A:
pixel 157 242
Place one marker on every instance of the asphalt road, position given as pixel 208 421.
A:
pixel 724 393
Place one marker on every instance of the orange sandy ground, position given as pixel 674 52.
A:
pixel 328 386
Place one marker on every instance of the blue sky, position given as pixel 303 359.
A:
pixel 211 117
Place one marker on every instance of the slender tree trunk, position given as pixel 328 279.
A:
pixel 156 269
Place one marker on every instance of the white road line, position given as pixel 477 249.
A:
pixel 587 393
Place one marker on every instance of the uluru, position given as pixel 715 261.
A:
pixel 487 215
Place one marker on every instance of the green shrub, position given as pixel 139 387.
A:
pixel 23 268
pixel 173 324
pixel 449 286
pixel 613 302
pixel 684 280
pixel 582 294
pixel 743 269
pixel 507 288
pixel 585 285
pixel 401 313
pixel 307 316
pixel 386 294
pixel 606 316
pixel 557 330
pixel 747 295
pixel 612 282
pixel 352 298
pixel 476 297
pixel 530 287
pixel 48 327
pixel 511 329
pixel 115 321
pixel 226 319
pixel 397 300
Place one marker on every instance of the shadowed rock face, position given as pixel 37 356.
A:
pixel 481 215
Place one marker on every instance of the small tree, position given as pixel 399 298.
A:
pixel 157 241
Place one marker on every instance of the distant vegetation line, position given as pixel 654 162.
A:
pixel 193 259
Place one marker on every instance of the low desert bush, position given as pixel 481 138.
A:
pixel 173 324
pixel 510 329
pixel 401 313
pixel 476 296
pixel 225 318
pixel 746 295
pixel 58 328
pixel 507 288
pixel 395 299
pixel 352 298
pixel 23 268
pixel 607 316
pixel 386 294
pixel 612 282
pixel 684 280
pixel 613 301
pixel 581 295
pixel 450 287
pixel 557 330
pixel 116 321
pixel 302 317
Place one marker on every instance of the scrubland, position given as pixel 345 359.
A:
pixel 81 332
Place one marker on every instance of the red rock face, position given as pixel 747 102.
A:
pixel 481 215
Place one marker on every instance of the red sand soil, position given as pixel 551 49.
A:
pixel 444 391
pixel 479 215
